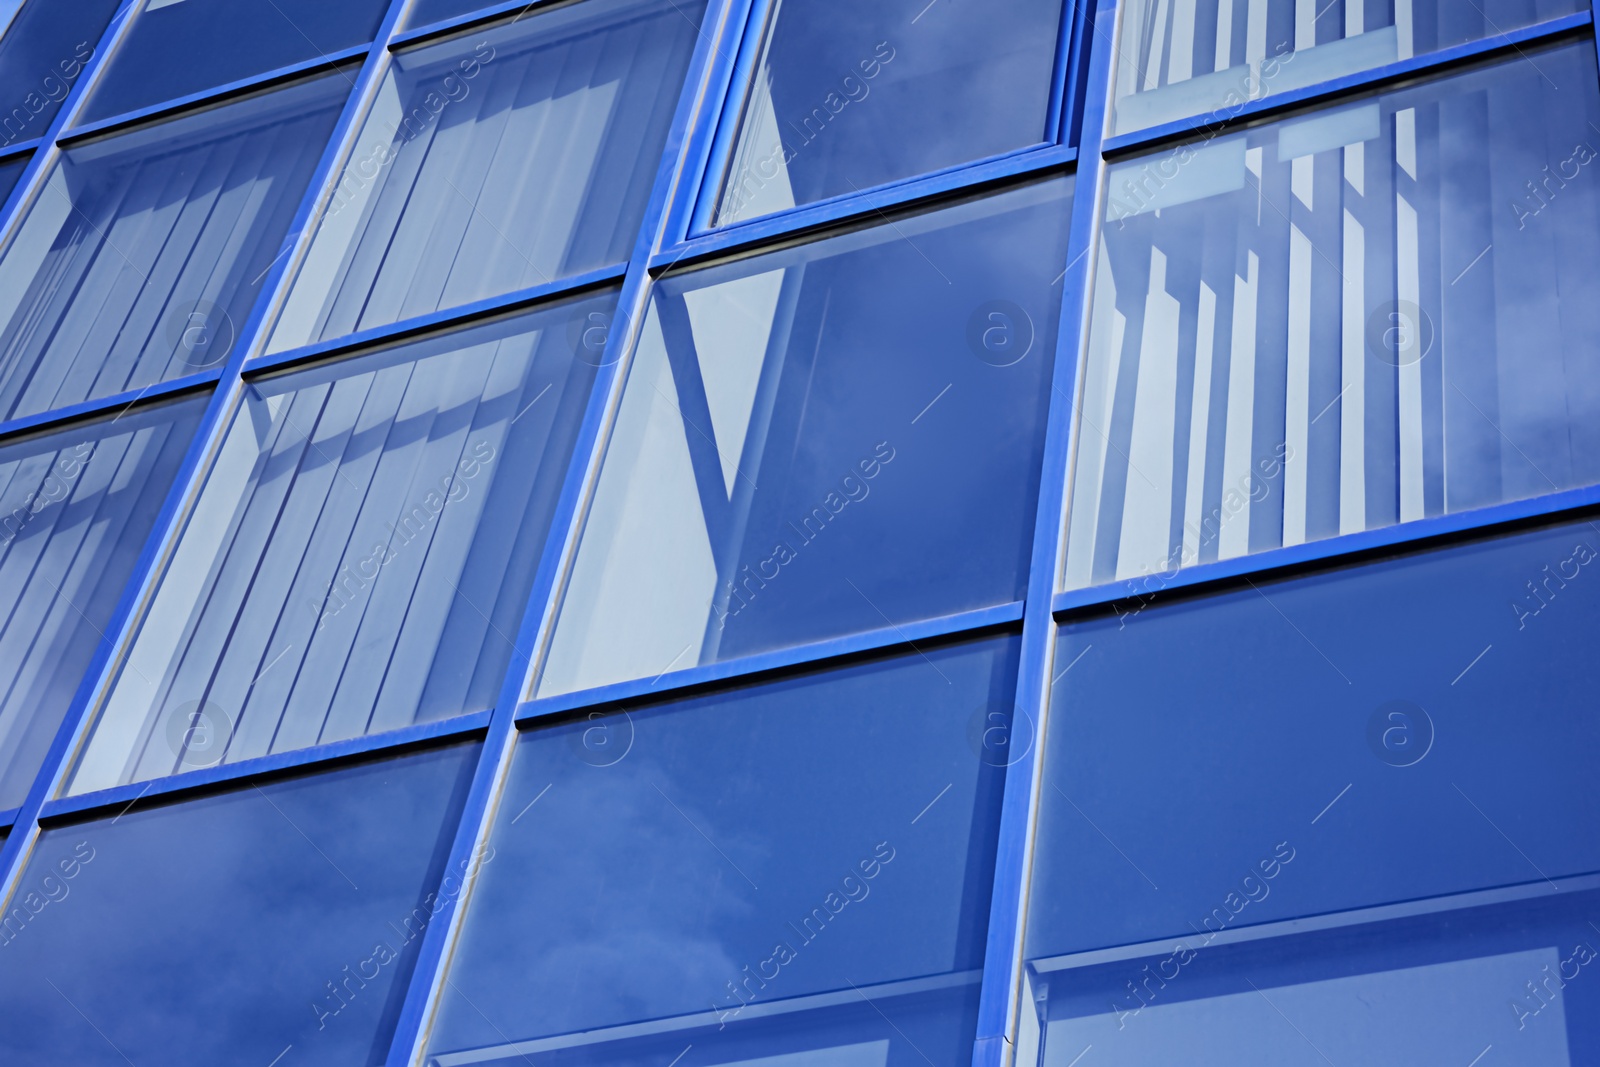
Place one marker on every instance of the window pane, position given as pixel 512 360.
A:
pixel 427 12
pixel 42 52
pixel 758 872
pixel 1366 735
pixel 494 162
pixel 892 383
pixel 179 47
pixel 361 556
pixel 851 95
pixel 1215 55
pixel 10 171
pixel 75 509
pixel 228 928
pixel 139 260
pixel 1344 321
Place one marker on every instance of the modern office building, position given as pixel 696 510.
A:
pixel 773 533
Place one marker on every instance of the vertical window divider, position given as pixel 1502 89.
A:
pixel 719 127
pixel 999 1001
pixel 675 178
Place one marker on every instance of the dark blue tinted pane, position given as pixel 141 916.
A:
pixel 807 436
pixel 179 47
pixel 42 52
pixel 1350 319
pixel 10 172
pixel 1352 738
pixel 427 12
pixel 498 160
pixel 757 872
pixel 850 95
pixel 75 508
pixel 140 258
pixel 1214 55
pixel 1509 983
pixel 229 928
pixel 362 554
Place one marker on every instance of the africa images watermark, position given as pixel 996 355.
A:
pixel 52 888
pixel 57 485
pixel 53 89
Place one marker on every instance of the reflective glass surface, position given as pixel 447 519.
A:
pixel 281 919
pixel 808 436
pixel 849 95
pixel 10 172
pixel 798 870
pixel 1367 315
pixel 141 256
pixel 44 45
pixel 361 556
pixel 75 509
pixel 1213 56
pixel 427 12
pixel 1349 739
pixel 503 159
pixel 179 47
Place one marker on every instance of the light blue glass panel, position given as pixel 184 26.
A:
pixel 1356 317
pixel 44 46
pixel 847 96
pixel 831 439
pixel 279 920
pixel 1213 56
pixel 179 47
pixel 502 159
pixel 75 509
pixel 799 869
pixel 141 256
pixel 362 553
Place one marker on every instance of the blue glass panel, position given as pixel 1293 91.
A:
pixel 427 12
pixel 797 868
pixel 499 160
pixel 849 95
pixel 140 258
pixel 279 920
pixel 75 508
pixel 808 436
pixel 1343 321
pixel 10 171
pixel 1212 56
pixel 44 46
pixel 1396 730
pixel 1510 983
pixel 179 47
pixel 362 553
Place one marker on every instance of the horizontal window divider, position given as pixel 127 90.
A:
pixel 202 100
pixel 1508 894
pixel 8 817
pixel 481 17
pixel 1385 77
pixel 120 403
pixel 21 148
pixel 1417 535
pixel 764 665
pixel 227 776
pixel 811 220
pixel 437 321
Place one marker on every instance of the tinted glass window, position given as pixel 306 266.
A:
pixel 43 50
pixel 1344 321
pixel 281 916
pixel 807 435
pixel 361 556
pixel 75 509
pixel 500 160
pixel 179 47
pixel 141 256
pixel 10 172
pixel 798 870
pixel 849 95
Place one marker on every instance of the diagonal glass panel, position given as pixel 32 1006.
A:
pixel 1353 318
pixel 44 46
pixel 797 872
pixel 503 159
pixel 75 509
pixel 807 435
pixel 361 555
pixel 139 260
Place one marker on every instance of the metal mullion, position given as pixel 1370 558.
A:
pixel 88 410
pixel 409 1041
pixel 1000 999
pixel 693 216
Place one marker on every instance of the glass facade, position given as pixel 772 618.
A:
pixel 745 533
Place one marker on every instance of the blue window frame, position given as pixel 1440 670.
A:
pixel 44 46
pixel 75 509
